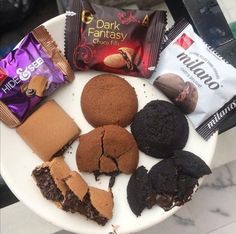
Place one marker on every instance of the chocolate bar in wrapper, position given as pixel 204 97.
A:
pixel 29 73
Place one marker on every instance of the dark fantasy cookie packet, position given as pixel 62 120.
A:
pixel 113 40
pixel 194 77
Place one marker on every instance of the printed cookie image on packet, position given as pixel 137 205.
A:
pixel 113 40
pixel 29 73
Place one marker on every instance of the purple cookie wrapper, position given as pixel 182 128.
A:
pixel 30 73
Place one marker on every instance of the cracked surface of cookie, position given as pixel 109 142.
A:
pixel 109 99
pixel 107 150
pixel 169 183
pixel 160 128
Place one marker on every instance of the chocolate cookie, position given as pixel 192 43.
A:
pixel 140 193
pixel 96 204
pixel 71 193
pixel 160 128
pixel 122 59
pixel 109 99
pixel 183 94
pixel 49 178
pixel 169 183
pixel 107 150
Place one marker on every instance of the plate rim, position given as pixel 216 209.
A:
pixel 46 217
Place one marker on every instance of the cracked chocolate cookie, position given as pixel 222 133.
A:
pixel 109 99
pixel 169 183
pixel 96 204
pixel 160 128
pixel 49 178
pixel 107 150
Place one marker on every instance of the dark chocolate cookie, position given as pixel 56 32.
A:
pixel 188 163
pixel 139 191
pixel 175 178
pixel 160 128
pixel 169 183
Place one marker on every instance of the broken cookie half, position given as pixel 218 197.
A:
pixel 169 183
pixel 107 150
pixel 71 193
pixel 49 178
pixel 96 204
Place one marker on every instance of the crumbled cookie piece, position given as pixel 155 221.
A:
pixel 169 183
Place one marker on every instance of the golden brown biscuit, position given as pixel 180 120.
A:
pixel 102 201
pixel 123 59
pixel 77 185
pixel 49 131
pixel 109 99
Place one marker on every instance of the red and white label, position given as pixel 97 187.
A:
pixel 184 41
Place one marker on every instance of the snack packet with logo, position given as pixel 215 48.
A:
pixel 109 39
pixel 196 79
pixel 29 73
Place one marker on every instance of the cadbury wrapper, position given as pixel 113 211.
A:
pixel 29 73
pixel 196 79
pixel 109 39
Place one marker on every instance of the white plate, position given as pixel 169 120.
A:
pixel 18 160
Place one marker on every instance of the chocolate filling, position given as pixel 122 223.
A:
pixel 113 175
pixel 85 207
pixel 73 204
pixel 47 185
pixel 127 60
pixel 185 93
pixel 61 151
pixel 92 213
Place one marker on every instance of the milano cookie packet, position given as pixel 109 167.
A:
pixel 196 79
pixel 113 40
pixel 29 73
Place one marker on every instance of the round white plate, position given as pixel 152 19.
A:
pixel 18 160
